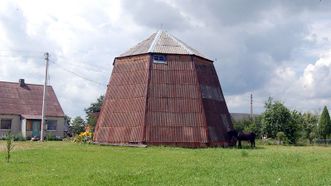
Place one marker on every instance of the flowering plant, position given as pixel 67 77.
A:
pixel 84 137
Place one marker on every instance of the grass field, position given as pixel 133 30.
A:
pixel 66 163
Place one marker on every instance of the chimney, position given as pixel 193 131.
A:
pixel 22 83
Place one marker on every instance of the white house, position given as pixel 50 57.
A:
pixel 20 110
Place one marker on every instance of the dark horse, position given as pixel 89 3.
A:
pixel 242 136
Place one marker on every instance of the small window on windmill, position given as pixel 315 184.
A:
pixel 160 59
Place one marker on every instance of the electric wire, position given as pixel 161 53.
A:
pixel 96 68
pixel 78 75
pixel 10 54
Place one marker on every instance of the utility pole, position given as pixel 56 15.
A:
pixel 252 107
pixel 44 99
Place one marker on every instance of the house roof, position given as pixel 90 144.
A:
pixel 27 100
pixel 164 43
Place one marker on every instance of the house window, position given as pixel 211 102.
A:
pixel 159 59
pixel 51 124
pixel 5 124
pixel 28 125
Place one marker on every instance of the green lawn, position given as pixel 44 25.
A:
pixel 66 163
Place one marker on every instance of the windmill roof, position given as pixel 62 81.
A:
pixel 164 43
pixel 27 100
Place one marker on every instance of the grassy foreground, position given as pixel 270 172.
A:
pixel 66 163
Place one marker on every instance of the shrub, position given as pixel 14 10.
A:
pixel 19 137
pixel 9 145
pixel 84 137
pixel 280 137
pixel 78 139
pixel 52 137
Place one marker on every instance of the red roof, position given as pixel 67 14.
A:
pixel 27 100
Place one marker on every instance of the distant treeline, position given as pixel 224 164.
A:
pixel 287 126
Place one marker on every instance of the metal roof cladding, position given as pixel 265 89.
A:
pixel 162 42
pixel 163 92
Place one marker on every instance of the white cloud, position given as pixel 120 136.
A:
pixel 317 77
pixel 80 36
pixel 279 49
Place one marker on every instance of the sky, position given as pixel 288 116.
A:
pixel 279 49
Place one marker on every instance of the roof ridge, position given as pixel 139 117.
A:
pixel 164 43
pixel 181 43
pixel 155 40
pixel 32 84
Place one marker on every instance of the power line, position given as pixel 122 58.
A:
pixel 96 68
pixel 16 53
pixel 20 50
pixel 99 69
pixel 20 56
pixel 10 55
pixel 78 75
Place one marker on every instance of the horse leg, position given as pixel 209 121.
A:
pixel 252 143
pixel 239 144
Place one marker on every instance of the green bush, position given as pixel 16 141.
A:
pixel 52 137
pixel 281 137
pixel 19 137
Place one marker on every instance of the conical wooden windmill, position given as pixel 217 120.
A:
pixel 163 92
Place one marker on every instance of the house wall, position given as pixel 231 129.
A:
pixel 15 125
pixel 23 127
pixel 59 132
pixel 18 127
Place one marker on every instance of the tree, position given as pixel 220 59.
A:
pixel 324 127
pixel 310 122
pixel 277 118
pixel 77 125
pixel 311 137
pixel 241 125
pixel 67 119
pixel 248 125
pixel 256 126
pixel 9 145
pixel 92 112
pixel 67 131
pixel 294 127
